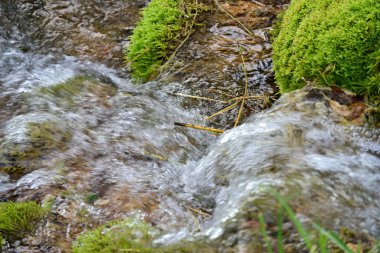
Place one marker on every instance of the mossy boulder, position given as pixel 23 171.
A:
pixel 332 42
pixel 19 219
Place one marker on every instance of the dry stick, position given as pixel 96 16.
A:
pixel 199 211
pixel 225 11
pixel 247 97
pixel 245 90
pixel 219 131
pixel 201 98
pixel 240 112
pixel 226 109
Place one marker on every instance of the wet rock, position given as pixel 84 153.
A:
pixel 89 30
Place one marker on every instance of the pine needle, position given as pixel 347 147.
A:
pixel 240 113
pixel 226 109
pixel 209 129
pixel 247 97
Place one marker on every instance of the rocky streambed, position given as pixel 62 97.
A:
pixel 79 136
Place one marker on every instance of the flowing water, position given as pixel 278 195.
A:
pixel 100 148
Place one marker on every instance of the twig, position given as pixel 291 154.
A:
pixel 247 97
pixel 245 90
pixel 226 109
pixel 219 131
pixel 199 211
pixel 240 112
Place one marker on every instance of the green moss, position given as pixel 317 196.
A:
pixel 91 198
pixel 131 235
pixel 331 42
pixel 19 219
pixel 156 35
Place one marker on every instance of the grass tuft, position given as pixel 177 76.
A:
pixel 317 238
pixel 19 219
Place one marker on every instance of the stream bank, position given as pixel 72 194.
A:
pixel 79 136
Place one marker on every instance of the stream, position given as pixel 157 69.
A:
pixel 75 131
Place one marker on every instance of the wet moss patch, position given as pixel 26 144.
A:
pixel 132 235
pixel 128 235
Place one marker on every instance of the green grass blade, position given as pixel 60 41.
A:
pixel 280 220
pixel 333 238
pixel 264 232
pixel 323 243
pixel 292 216
pixel 376 248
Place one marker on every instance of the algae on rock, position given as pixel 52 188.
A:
pixel 17 156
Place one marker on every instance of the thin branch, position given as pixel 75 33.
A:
pixel 226 109
pixel 247 97
pixel 209 129
pixel 240 112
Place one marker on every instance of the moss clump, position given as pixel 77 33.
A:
pixel 331 42
pixel 113 237
pixel 19 219
pixel 156 35
pixel 132 236
pixel 91 198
